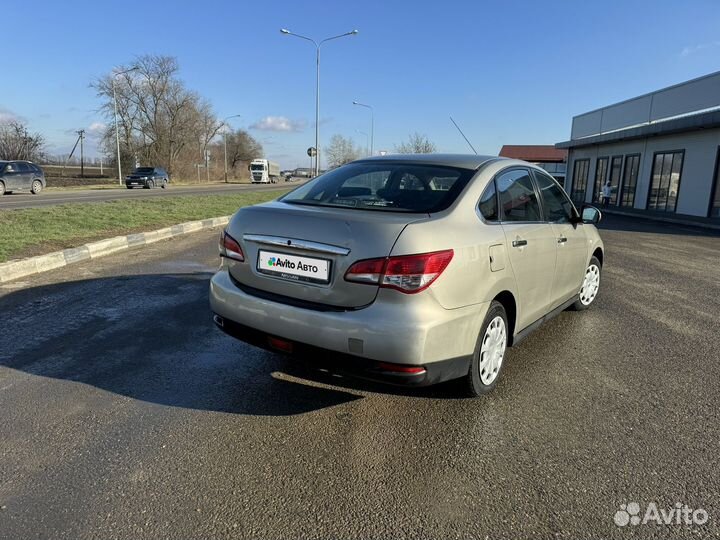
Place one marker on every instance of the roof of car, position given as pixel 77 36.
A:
pixel 463 161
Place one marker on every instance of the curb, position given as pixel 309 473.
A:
pixel 42 263
pixel 662 219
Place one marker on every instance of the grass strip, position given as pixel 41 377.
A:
pixel 25 232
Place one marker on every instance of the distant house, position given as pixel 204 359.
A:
pixel 552 159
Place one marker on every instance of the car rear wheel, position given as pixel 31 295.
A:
pixel 36 187
pixel 487 362
pixel 590 285
pixel 164 184
pixel 2 189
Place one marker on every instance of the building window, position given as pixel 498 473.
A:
pixel 665 181
pixel 715 202
pixel 615 170
pixel 578 185
pixel 600 175
pixel 629 184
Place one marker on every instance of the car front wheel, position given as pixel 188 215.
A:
pixel 36 187
pixel 590 286
pixel 487 361
pixel 149 184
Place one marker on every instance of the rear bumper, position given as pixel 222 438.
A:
pixel 348 364
pixel 397 329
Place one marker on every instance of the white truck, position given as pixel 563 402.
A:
pixel 264 171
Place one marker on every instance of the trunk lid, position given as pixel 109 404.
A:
pixel 301 236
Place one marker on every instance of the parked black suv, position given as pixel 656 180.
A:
pixel 147 177
pixel 21 176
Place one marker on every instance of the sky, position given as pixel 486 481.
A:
pixel 508 72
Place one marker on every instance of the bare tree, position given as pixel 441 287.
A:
pixel 161 122
pixel 17 143
pixel 417 144
pixel 241 149
pixel 340 151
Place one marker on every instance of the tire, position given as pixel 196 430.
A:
pixel 36 187
pixel 489 357
pixel 2 189
pixel 590 287
pixel 149 184
pixel 164 184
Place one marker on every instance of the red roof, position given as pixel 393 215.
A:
pixel 536 153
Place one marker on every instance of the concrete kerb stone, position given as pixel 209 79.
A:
pixel 34 265
pixel 108 246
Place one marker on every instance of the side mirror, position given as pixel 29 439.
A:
pixel 590 214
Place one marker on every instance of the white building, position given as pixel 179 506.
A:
pixel 660 152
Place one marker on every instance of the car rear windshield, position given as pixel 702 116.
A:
pixel 144 170
pixel 387 186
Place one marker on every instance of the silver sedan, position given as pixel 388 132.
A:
pixel 410 269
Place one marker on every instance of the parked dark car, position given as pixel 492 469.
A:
pixel 147 177
pixel 21 176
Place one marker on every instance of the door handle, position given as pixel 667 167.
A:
pixel 519 243
pixel 562 240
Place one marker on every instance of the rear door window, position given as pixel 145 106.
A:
pixel 488 205
pixel 518 199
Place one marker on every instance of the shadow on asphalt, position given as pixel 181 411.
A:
pixel 614 222
pixel 151 338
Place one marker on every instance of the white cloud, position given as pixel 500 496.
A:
pixel 96 130
pixel 6 115
pixel 96 127
pixel 692 49
pixel 279 123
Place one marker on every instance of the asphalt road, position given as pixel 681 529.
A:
pixel 126 414
pixel 48 198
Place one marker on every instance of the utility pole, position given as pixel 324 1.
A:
pixel 81 135
pixel 207 166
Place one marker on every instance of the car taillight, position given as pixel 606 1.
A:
pixel 406 273
pixel 230 248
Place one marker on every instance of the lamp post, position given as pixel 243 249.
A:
pixel 117 132
pixel 372 123
pixel 367 138
pixel 317 85
pixel 225 140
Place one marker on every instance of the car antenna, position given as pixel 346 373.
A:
pixel 464 137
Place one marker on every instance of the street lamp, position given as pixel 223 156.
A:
pixel 225 139
pixel 317 86
pixel 117 132
pixel 366 140
pixel 372 123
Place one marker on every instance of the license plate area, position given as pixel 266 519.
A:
pixel 294 267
